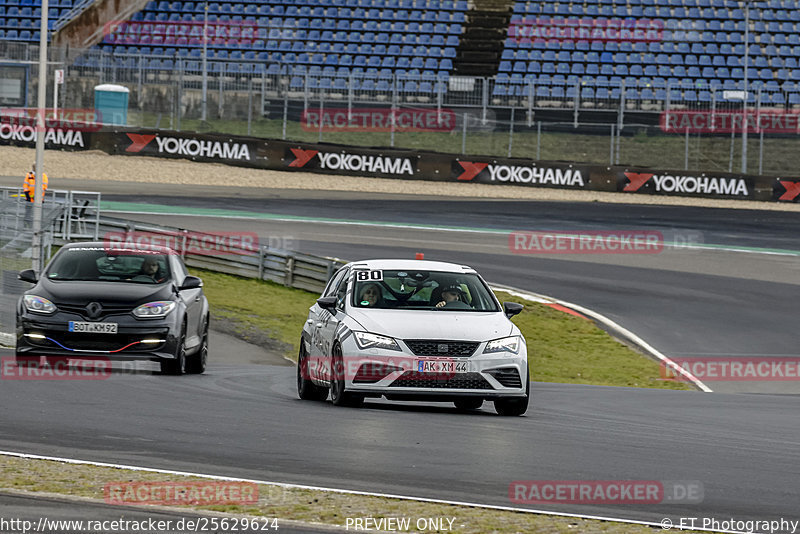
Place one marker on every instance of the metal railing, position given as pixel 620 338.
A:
pixel 290 268
pixel 73 12
pixel 68 214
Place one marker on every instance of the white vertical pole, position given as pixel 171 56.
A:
pixel 40 134
pixel 204 113
pixel 55 97
pixel 746 59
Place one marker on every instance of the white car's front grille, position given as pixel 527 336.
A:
pixel 433 347
pixel 414 379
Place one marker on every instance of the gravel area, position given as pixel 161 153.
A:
pixel 95 165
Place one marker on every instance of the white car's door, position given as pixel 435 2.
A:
pixel 329 322
pixel 317 319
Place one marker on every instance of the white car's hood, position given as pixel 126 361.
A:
pixel 424 324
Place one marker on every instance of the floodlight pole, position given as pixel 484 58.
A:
pixel 205 61
pixel 746 61
pixel 38 193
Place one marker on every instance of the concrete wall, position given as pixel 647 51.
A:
pixel 89 27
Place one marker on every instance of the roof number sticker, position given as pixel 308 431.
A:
pixel 369 276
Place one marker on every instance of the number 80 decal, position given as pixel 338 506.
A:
pixel 369 276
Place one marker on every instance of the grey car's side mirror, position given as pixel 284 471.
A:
pixel 28 275
pixel 327 303
pixel 191 282
pixel 512 308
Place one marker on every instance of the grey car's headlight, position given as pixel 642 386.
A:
pixel 506 344
pixel 159 308
pixel 367 340
pixel 38 304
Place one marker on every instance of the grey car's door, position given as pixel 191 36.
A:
pixel 193 300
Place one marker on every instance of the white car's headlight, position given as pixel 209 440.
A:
pixel 159 308
pixel 38 304
pixel 366 340
pixel 506 344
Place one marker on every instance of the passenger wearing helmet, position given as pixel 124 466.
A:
pixel 371 296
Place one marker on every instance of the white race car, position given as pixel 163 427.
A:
pixel 413 330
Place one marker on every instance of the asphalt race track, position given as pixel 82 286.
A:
pixel 242 420
pixel 737 446
pixel 731 298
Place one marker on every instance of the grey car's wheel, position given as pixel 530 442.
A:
pixel 306 389
pixel 196 363
pixel 515 406
pixel 176 366
pixel 339 396
pixel 468 403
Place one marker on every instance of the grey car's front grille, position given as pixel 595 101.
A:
pixel 433 347
pixel 104 312
pixel 414 379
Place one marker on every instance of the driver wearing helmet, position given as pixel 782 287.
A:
pixel 451 293
pixel 152 269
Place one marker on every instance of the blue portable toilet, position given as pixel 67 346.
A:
pixel 111 104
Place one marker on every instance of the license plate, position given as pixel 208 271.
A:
pixel 443 366
pixel 93 328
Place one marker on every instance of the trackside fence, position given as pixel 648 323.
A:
pixel 290 268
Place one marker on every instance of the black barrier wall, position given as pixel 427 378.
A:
pixel 409 164
pixel 55 137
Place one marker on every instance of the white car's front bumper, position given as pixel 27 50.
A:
pixel 396 374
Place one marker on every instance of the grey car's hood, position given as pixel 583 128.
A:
pixel 424 324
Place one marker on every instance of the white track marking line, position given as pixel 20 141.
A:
pixel 489 231
pixel 535 297
pixel 333 490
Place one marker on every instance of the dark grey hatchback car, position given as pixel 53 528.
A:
pixel 97 301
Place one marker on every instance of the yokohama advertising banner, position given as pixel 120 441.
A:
pixel 352 161
pixel 685 183
pixel 786 190
pixel 242 151
pixel 520 172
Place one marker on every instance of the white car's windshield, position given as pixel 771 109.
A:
pixel 421 290
pixel 104 265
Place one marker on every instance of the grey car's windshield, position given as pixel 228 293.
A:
pixel 421 290
pixel 98 264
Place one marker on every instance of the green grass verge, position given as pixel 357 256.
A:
pixel 561 347
pixel 309 506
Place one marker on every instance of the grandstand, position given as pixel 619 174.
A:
pixel 550 52
pixel 697 48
